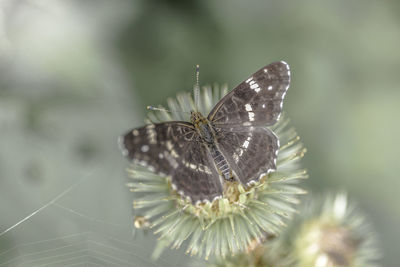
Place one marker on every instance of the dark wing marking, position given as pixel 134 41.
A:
pixel 255 102
pixel 250 153
pixel 173 149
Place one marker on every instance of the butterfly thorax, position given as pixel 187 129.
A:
pixel 203 127
pixel 209 138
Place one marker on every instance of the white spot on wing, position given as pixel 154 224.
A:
pixel 245 144
pixel 144 148
pixel 169 145
pixel 171 149
pixel 151 133
pixel 193 166
pixel 251 116
pixel 205 169
pixel 236 157
pixel 255 87
pixel 171 160
pixel 287 67
pixel 248 107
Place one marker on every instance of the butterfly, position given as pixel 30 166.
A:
pixel 232 143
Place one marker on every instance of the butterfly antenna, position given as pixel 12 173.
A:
pixel 166 110
pixel 197 89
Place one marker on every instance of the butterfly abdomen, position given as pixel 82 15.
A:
pixel 220 162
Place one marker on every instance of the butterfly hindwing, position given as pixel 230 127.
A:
pixel 196 175
pixel 250 153
pixel 256 101
pixel 174 149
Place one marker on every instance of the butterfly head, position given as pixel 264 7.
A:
pixel 196 117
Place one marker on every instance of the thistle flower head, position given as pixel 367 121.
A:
pixel 331 233
pixel 230 224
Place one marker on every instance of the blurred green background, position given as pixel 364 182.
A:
pixel 74 75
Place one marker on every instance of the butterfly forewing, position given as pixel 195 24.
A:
pixel 250 153
pixel 150 144
pixel 174 149
pixel 257 101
